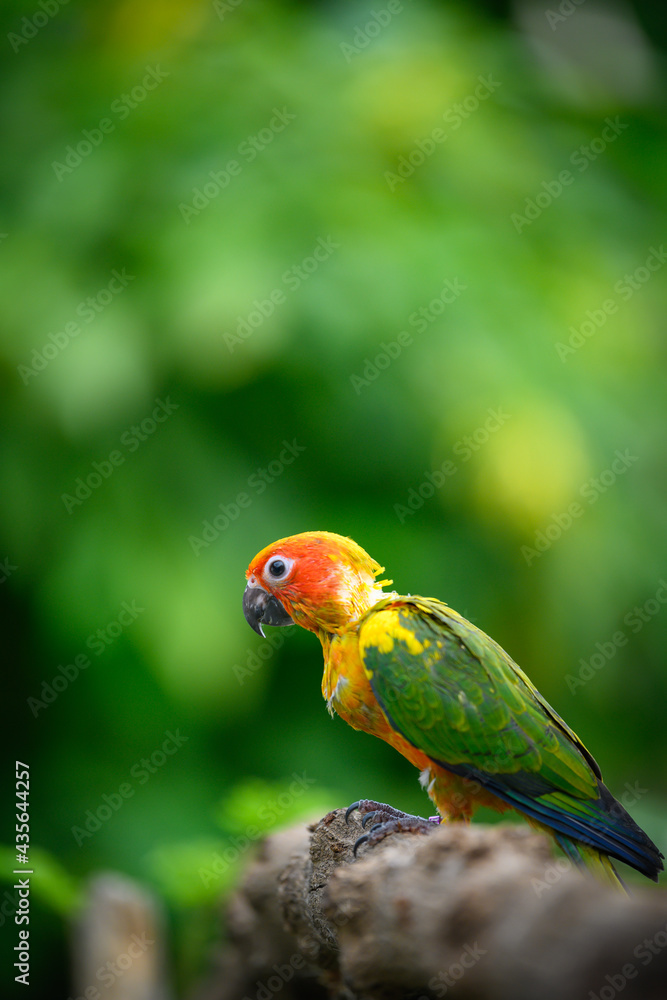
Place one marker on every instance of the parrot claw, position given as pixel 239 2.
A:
pixel 350 809
pixel 369 808
pixel 404 824
pixel 389 820
pixel 359 842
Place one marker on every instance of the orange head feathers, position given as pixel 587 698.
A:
pixel 317 579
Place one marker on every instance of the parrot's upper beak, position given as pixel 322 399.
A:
pixel 261 608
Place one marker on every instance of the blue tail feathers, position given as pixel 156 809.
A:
pixel 603 824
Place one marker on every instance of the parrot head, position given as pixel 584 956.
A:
pixel 316 579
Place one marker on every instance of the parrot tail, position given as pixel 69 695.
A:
pixel 595 861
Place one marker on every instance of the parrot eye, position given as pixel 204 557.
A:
pixel 278 568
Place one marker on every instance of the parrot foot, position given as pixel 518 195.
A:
pixel 388 820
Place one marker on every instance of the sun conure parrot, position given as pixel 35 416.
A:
pixel 415 673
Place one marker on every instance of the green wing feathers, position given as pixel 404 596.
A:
pixel 451 691
pixel 464 701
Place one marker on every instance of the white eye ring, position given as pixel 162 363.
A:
pixel 278 568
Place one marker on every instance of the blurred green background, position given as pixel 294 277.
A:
pixel 477 337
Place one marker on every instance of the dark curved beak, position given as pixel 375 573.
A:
pixel 261 608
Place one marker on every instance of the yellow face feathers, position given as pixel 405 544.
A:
pixel 330 583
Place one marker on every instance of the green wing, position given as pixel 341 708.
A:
pixel 451 691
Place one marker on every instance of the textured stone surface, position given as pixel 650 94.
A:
pixel 486 911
